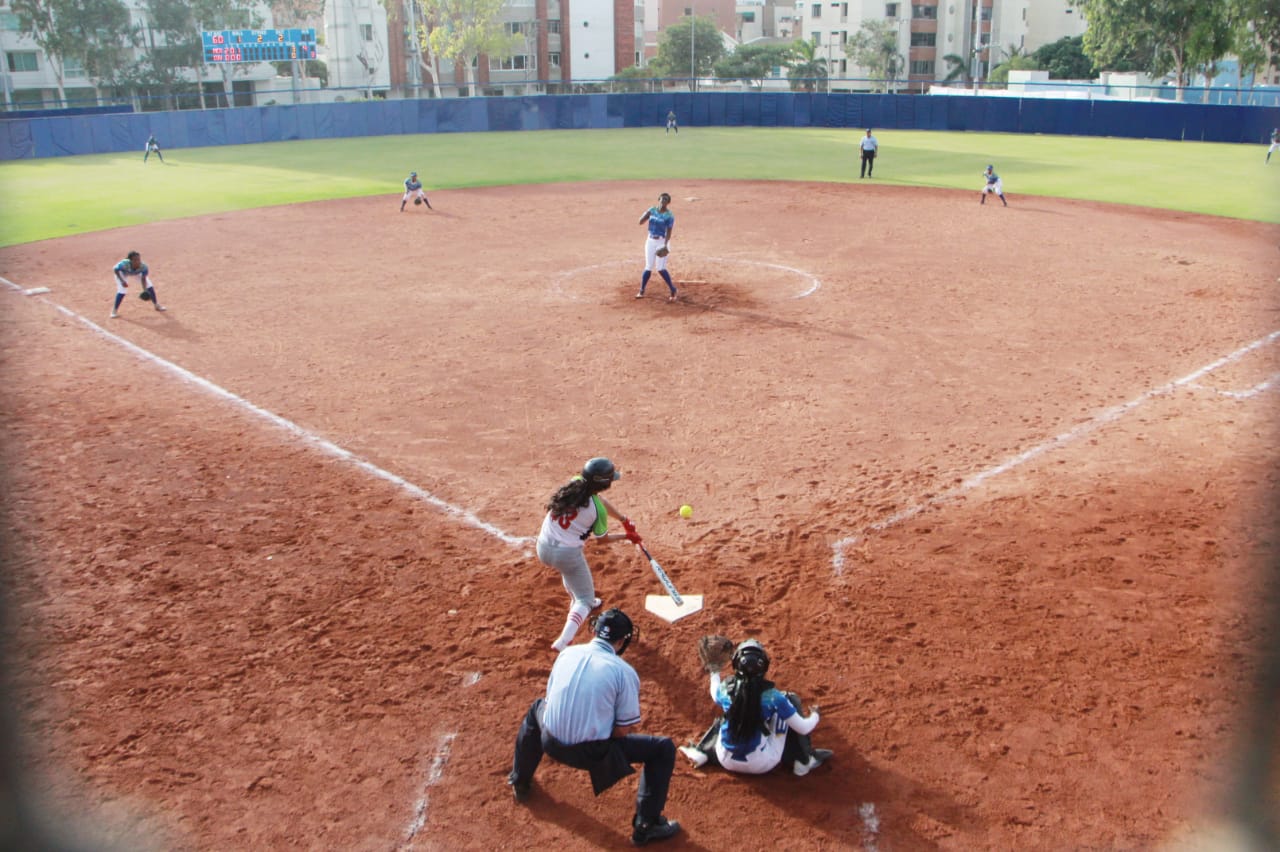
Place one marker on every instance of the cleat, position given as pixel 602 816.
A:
pixel 653 832
pixel 696 756
pixel 819 757
pixel 114 314
pixel 519 791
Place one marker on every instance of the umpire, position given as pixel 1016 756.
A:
pixel 869 148
pixel 593 697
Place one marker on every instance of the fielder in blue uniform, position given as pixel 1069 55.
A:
pixel 413 189
pixel 132 266
pixel 993 184
pixel 661 223
pixel 153 147
pixel 671 121
pixel 1275 143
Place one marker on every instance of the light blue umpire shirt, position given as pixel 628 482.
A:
pixel 590 692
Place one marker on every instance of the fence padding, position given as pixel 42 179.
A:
pixel 23 136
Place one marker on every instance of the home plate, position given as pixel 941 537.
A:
pixel 665 607
pixel 36 291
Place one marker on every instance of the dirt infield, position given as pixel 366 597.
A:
pixel 989 484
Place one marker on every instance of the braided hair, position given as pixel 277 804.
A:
pixel 746 713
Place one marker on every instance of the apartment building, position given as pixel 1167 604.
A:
pixel 936 38
pixel 31 79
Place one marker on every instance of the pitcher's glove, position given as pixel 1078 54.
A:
pixel 663 252
pixel 715 652
pixel 417 201
pixel 146 295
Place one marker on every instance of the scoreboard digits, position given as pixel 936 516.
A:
pixel 258 45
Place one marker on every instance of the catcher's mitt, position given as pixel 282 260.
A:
pixel 417 201
pixel 146 294
pixel 715 652
pixel 663 252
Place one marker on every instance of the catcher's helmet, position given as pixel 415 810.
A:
pixel 613 625
pixel 751 659
pixel 600 473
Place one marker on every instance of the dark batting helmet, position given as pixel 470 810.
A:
pixel 600 473
pixel 613 625
pixel 751 659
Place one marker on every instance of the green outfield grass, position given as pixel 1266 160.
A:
pixel 70 195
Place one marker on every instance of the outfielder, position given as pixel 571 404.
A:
pixel 658 244
pixel 671 121
pixel 413 189
pixel 575 513
pixel 132 265
pixel 152 147
pixel 1275 143
pixel 993 185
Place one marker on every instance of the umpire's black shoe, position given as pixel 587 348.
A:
pixel 519 791
pixel 653 832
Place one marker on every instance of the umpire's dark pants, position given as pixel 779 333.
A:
pixel 868 162
pixel 658 754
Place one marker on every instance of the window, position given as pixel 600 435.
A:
pixel 815 11
pixel 553 27
pixel 72 68
pixel 844 38
pixel 517 27
pixel 844 11
pixel 519 62
pixel 816 38
pixel 930 12
pixel 23 60
pixel 553 59
pixel 9 22
pixel 366 32
pixel 922 66
pixel 748 17
pixel 891 10
pixel 924 39
pixel 986 13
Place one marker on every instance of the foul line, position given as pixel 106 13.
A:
pixel 324 445
pixel 1107 416
pixel 434 774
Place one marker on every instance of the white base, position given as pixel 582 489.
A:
pixel 665 607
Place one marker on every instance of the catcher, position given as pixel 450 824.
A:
pixel 761 726
pixel 657 245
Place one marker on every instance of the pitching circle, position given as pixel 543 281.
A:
pixel 770 282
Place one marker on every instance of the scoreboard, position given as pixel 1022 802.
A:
pixel 258 45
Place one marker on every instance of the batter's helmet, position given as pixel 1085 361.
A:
pixel 613 625
pixel 600 473
pixel 751 659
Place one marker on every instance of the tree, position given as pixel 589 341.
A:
pixel 93 32
pixel 875 48
pixel 1065 59
pixel 635 79
pixel 1174 36
pixel 807 71
pixel 958 68
pixel 462 30
pixel 695 34
pixel 1255 34
pixel 753 62
pixel 1000 74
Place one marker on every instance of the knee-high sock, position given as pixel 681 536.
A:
pixel 644 280
pixel 119 299
pixel 666 276
pixel 577 614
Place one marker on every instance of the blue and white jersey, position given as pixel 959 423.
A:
pixel 777 710
pixel 660 223
pixel 124 270
pixel 991 176
pixel 412 183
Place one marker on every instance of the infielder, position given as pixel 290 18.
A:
pixel 413 189
pixel 661 223
pixel 993 185
pixel 152 147
pixel 1275 143
pixel 132 265
pixel 575 513
pixel 869 147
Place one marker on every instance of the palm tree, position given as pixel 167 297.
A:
pixel 808 72
pixel 957 69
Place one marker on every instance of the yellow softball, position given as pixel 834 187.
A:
pixel 686 511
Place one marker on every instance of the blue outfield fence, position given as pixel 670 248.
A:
pixel 24 136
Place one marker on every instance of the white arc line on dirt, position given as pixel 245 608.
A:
pixel 870 826
pixel 814 283
pixel 323 444
pixel 434 774
pixel 1108 415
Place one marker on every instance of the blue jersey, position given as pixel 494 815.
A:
pixel 991 177
pixel 660 223
pixel 777 710
pixel 124 270
pixel 411 184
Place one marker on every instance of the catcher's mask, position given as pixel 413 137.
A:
pixel 600 474
pixel 613 625
pixel 751 659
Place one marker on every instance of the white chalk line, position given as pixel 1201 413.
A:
pixel 434 773
pixel 870 826
pixel 324 445
pixel 1261 387
pixel 557 286
pixel 1106 416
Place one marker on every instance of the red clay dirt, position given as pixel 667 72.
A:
pixel 962 469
